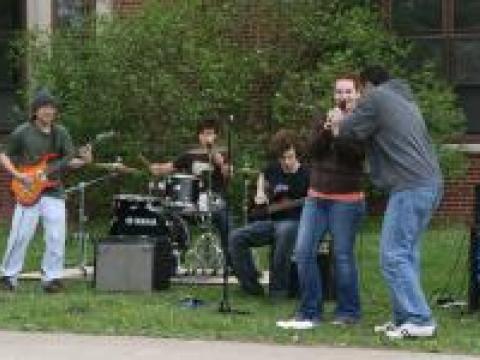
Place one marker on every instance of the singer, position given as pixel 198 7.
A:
pixel 335 203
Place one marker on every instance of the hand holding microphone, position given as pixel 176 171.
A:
pixel 334 117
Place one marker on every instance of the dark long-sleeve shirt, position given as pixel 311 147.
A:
pixel 27 144
pixel 336 163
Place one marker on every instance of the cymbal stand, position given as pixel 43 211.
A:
pixel 82 236
pixel 212 255
pixel 246 185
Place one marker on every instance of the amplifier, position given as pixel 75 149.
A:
pixel 133 263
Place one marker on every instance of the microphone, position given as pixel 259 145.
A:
pixel 343 105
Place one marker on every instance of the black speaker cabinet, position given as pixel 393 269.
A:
pixel 133 263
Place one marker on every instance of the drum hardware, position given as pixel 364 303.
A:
pixel 82 236
pixel 205 253
pixel 246 185
pixel 224 306
pixel 208 150
pixel 182 191
pixel 117 167
pixel 247 171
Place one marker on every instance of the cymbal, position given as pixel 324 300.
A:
pixel 117 167
pixel 204 151
pixel 247 171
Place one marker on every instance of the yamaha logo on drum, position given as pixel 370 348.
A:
pixel 141 221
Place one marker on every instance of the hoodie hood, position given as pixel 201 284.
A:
pixel 400 87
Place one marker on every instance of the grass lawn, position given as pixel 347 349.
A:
pixel 82 309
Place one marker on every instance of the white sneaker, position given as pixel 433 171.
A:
pixel 297 324
pixel 409 330
pixel 388 326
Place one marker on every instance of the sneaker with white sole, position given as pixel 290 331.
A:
pixel 409 330
pixel 344 321
pixel 388 326
pixel 297 324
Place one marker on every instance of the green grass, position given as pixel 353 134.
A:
pixel 82 309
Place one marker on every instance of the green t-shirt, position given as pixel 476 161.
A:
pixel 27 144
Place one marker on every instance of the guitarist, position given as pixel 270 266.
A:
pixel 285 179
pixel 26 145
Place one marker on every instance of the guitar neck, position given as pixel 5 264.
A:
pixel 285 205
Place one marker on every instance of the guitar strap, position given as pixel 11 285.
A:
pixel 54 139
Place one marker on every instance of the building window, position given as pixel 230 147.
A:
pixel 417 16
pixel 12 20
pixel 447 32
pixel 467 15
pixel 73 14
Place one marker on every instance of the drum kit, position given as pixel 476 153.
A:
pixel 175 205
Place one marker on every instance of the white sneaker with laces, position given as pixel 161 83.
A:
pixel 409 330
pixel 297 324
pixel 388 326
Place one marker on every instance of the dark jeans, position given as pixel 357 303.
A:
pixel 223 222
pixel 282 235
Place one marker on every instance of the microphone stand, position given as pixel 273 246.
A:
pixel 225 307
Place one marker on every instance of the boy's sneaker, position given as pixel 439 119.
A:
pixel 297 323
pixel 7 284
pixel 409 330
pixel 388 326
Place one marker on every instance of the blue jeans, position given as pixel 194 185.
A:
pixel 280 233
pixel 406 218
pixel 342 220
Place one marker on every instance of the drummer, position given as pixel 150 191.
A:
pixel 205 159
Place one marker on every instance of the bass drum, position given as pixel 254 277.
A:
pixel 178 231
pixel 135 214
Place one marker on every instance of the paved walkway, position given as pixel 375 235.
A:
pixel 39 346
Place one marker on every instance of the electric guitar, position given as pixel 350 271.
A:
pixel 28 195
pixel 263 212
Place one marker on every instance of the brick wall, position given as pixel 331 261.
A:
pixel 6 200
pixel 126 6
pixel 459 196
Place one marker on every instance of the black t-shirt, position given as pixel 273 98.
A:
pixel 197 163
pixel 282 186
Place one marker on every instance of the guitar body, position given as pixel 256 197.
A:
pixel 28 196
pixel 258 213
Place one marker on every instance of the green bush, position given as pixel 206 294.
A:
pixel 269 63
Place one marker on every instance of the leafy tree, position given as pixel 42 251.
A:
pixel 270 63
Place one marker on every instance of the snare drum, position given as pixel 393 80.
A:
pixel 135 214
pixel 210 203
pixel 157 188
pixel 182 191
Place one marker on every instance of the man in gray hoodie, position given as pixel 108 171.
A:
pixel 403 163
